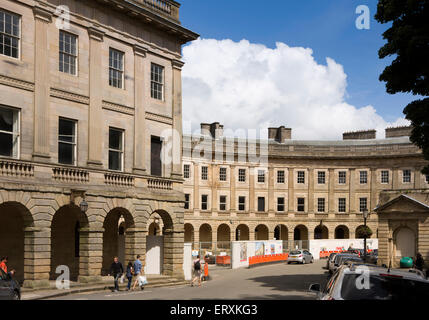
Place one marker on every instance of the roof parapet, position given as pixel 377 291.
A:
pixel 394 132
pixel 360 135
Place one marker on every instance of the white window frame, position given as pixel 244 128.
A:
pixel 403 176
pixel 360 203
pixel 223 176
pixel 206 202
pixel 300 179
pixel 244 203
pixel 15 133
pixel 298 204
pixel 12 36
pixel 321 202
pixel 340 177
pixel 382 176
pixel 281 177
pixel 223 203
pixel 204 173
pixel 363 176
pixel 69 54
pixel 321 176
pixel 284 204
pixel 121 54
pixel 121 152
pixel 261 176
pixel 241 175
pixel 66 142
pixel 155 93
pixel 188 171
pixel 340 205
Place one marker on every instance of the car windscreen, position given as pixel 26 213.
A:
pixel 351 259
pixel 295 252
pixel 341 256
pixel 383 288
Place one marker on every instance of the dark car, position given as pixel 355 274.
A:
pixel 373 256
pixel 9 287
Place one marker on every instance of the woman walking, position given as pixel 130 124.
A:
pixel 129 275
pixel 197 271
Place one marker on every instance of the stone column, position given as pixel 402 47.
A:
pixel 196 187
pixel 213 184
pixel 233 200
pixel 271 233
pixel 41 143
pixel 331 188
pixel 352 183
pixel 311 190
pixel 139 111
pixel 251 233
pixel 173 253
pixel 252 190
pixel 291 194
pixel 373 189
pixel 91 254
pixel 176 171
pixel 95 114
pixel 271 197
pixel 37 257
pixel 135 243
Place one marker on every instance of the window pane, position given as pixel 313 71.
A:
pixel 114 160
pixel 115 139
pixel 66 130
pixel 6 144
pixel 65 153
pixel 6 120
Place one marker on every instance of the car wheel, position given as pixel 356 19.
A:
pixel 303 261
pixel 312 260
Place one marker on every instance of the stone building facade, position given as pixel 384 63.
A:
pixel 299 190
pixel 88 98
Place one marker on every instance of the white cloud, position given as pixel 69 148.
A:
pixel 249 86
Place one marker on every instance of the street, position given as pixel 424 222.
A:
pixel 276 282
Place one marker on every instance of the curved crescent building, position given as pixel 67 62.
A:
pixel 286 189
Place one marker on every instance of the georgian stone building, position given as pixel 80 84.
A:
pixel 299 190
pixel 88 98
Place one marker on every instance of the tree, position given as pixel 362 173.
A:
pixel 408 40
pixel 363 232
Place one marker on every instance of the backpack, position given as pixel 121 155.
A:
pixel 197 265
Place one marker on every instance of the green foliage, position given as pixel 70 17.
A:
pixel 408 42
pixel 363 231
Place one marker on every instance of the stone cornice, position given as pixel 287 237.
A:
pixel 62 94
pixel 140 51
pixel 42 14
pixel 21 84
pixel 95 33
pixel 159 118
pixel 117 107
pixel 177 64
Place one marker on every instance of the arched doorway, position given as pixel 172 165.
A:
pixel 205 236
pixel 261 232
pixel 404 243
pixel 189 233
pixel 161 249
pixel 14 218
pixel 115 237
pixel 281 232
pixel 242 233
pixel 300 233
pixel 224 237
pixel 321 232
pixel 66 239
pixel 342 232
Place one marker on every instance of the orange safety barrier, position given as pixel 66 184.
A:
pixel 268 258
pixel 223 260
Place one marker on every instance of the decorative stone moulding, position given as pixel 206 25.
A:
pixel 159 184
pixel 117 179
pixel 70 174
pixel 16 168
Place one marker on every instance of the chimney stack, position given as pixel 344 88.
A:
pixel 360 135
pixel 215 130
pixel 404 131
pixel 280 134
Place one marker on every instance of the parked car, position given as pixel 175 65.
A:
pixel 373 256
pixel 300 256
pixel 9 287
pixel 331 259
pixel 331 256
pixel 336 263
pixel 383 284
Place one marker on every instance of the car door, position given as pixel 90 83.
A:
pixel 306 256
pixel 4 286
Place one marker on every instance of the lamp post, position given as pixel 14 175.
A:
pixel 83 206
pixel 366 214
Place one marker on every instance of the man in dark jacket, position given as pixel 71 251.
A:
pixel 116 269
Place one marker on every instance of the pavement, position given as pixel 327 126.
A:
pixel 271 282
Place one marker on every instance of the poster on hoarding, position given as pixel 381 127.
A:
pixel 273 249
pixel 243 251
pixel 259 249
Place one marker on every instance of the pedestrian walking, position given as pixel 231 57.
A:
pixel 419 262
pixel 116 269
pixel 3 265
pixel 138 271
pixel 129 274
pixel 197 271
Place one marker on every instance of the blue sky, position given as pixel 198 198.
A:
pixel 327 27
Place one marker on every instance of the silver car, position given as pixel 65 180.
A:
pixel 300 256
pixel 336 263
pixel 349 283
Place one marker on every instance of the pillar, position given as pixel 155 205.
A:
pixel 176 171
pixel 252 189
pixel 311 190
pixel 233 200
pixel 352 183
pixel 91 254
pixel 271 198
pixel 95 114
pixel 291 195
pixel 373 190
pixel 37 257
pixel 41 143
pixel 139 111
pixel 331 194
pixel 135 243
pixel 173 253
pixel 196 187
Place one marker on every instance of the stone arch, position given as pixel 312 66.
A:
pixel 66 237
pixel 321 232
pixel 261 232
pixel 14 219
pixel 281 232
pixel 300 232
pixel 189 233
pixel 223 236
pixel 342 232
pixel 404 243
pixel 242 233
pixel 205 236
pixel 117 224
